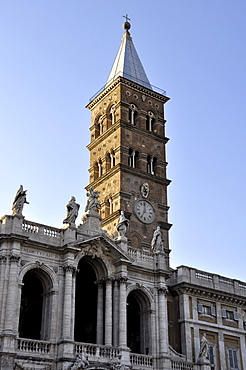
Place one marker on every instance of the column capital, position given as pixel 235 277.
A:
pixel 162 290
pixel 99 283
pixel 3 259
pixel 69 269
pixel 108 280
pixel 13 258
pixel 122 279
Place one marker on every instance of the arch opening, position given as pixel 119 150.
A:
pixel 85 304
pixel 138 319
pixel 35 307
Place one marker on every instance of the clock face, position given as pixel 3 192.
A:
pixel 144 211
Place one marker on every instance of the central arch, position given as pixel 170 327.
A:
pixel 85 303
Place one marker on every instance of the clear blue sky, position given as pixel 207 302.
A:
pixel 56 54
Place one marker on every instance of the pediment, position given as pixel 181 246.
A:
pixel 99 246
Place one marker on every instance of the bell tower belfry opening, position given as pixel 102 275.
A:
pixel 127 149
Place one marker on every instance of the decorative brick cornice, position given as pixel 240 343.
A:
pixel 126 82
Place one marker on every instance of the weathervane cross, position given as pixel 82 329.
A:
pixel 127 18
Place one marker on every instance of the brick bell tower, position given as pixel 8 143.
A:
pixel 127 149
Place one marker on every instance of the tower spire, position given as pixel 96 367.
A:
pixel 127 62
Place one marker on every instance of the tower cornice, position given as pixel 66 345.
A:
pixel 124 81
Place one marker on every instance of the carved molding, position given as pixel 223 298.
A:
pixel 211 295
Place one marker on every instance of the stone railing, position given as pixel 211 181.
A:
pixel 209 280
pixel 178 365
pixel 141 360
pixel 33 346
pixel 140 256
pixel 96 350
pixel 42 231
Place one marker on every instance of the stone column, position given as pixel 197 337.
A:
pixel 163 328
pixel 116 314
pixel 99 312
pixel 67 308
pixel 3 263
pixel 108 312
pixel 122 312
pixel 10 317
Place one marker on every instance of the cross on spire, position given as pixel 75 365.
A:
pixel 127 18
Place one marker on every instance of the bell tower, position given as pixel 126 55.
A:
pixel 127 149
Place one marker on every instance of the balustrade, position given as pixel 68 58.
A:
pixel 177 365
pixel 34 346
pixel 142 360
pixel 34 228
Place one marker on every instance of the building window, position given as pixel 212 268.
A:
pixel 150 120
pixel 206 309
pixel 233 358
pixel 211 355
pixel 132 114
pixel 132 158
pixel 229 314
pixel 151 165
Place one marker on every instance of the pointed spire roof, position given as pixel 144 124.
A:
pixel 127 63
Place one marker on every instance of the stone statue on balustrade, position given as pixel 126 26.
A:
pixel 157 240
pixel 123 224
pixel 92 201
pixel 81 361
pixel 19 201
pixel 72 212
pixel 203 354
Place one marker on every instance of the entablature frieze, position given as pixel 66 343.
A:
pixel 213 295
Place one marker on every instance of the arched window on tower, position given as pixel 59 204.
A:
pixel 132 114
pixel 98 127
pixel 108 207
pixel 112 115
pixel 151 165
pixel 96 171
pixel 150 120
pixel 100 168
pixel 110 160
pixel 133 158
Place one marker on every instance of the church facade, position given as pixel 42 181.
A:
pixel 102 294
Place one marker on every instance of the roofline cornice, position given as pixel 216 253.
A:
pixel 124 81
